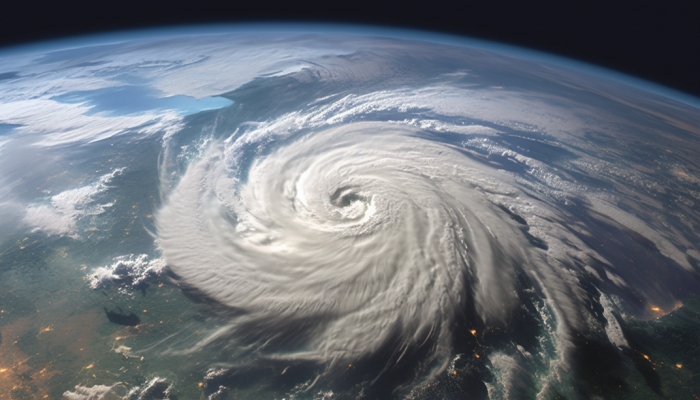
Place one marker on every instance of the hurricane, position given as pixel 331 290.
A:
pixel 358 232
pixel 329 243
pixel 332 235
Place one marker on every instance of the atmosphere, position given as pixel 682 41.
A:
pixel 652 41
pixel 281 211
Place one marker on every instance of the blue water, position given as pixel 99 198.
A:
pixel 8 75
pixel 6 129
pixel 125 100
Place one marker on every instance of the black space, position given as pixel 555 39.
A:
pixel 658 41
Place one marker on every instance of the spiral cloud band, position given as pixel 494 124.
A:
pixel 359 231
pixel 331 234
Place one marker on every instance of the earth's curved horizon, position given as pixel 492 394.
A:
pixel 337 212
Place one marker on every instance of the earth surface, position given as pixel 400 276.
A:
pixel 308 212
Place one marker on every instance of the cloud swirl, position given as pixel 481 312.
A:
pixel 332 234
pixel 358 233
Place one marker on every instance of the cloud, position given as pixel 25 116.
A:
pixel 98 392
pixel 129 272
pixel 61 215
pixel 59 123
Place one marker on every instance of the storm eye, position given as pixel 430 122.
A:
pixel 345 196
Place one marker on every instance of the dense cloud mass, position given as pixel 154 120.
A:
pixel 344 238
pixel 358 232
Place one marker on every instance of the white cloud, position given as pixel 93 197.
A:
pixel 61 215
pixel 612 328
pixel 166 64
pixel 98 392
pixel 131 271
pixel 61 123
